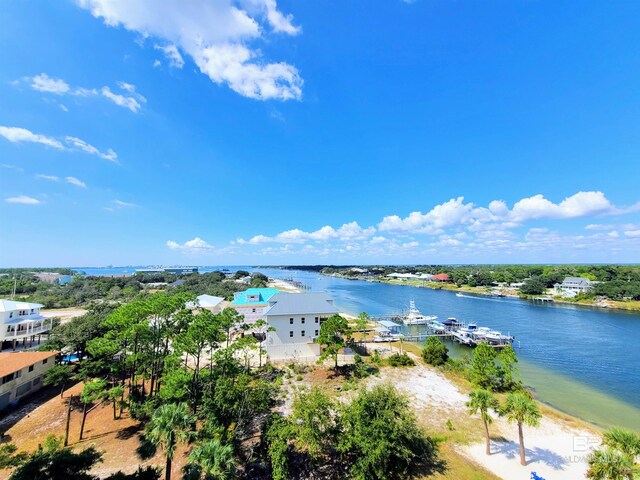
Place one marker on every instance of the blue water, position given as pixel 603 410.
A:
pixel 596 348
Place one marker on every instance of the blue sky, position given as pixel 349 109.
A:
pixel 250 132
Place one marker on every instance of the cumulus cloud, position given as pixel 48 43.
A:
pixel 23 199
pixel 216 34
pixel 76 182
pixel 460 227
pixel 195 245
pixel 43 83
pixel 172 54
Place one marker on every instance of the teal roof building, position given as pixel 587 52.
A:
pixel 253 296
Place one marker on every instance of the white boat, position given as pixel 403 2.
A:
pixel 496 338
pixel 463 336
pixel 414 317
pixel 459 295
pixel 437 327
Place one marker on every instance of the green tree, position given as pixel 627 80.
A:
pixel 315 427
pixel 8 456
pixel 534 286
pixel 506 370
pixel 333 334
pixel 170 424
pixel 278 435
pixel 58 376
pixel 381 438
pixel 481 401
pixel 92 391
pixel 483 368
pixel 51 461
pixel 618 459
pixel 362 322
pixel 519 407
pixel 435 352
pixel 214 460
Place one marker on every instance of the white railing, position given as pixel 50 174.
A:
pixel 28 332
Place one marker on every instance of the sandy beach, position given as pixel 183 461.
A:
pixel 555 450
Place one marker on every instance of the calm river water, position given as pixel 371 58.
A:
pixel 582 361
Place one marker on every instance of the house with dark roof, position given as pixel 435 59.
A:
pixel 295 320
pixel 21 373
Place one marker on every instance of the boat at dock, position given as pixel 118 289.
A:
pixel 415 317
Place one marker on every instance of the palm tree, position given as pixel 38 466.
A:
pixel 215 459
pixel 481 400
pixel 170 424
pixel 618 459
pixel 522 409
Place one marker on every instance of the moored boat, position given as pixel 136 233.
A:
pixel 415 317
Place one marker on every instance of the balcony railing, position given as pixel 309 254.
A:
pixel 27 333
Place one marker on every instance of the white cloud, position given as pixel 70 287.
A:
pixel 79 144
pixel 12 167
pixel 18 135
pixel 23 199
pixel 120 100
pixel 121 204
pixel 216 35
pixel 579 205
pixel 632 233
pixel 76 182
pixel 195 245
pixel 51 178
pixel 44 83
pixel 172 54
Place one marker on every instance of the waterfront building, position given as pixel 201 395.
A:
pixel 22 373
pixel 295 320
pixel 21 322
pixel 441 277
pixel 253 302
pixel 571 286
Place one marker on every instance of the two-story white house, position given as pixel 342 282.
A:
pixel 253 303
pixel 22 373
pixel 295 320
pixel 571 286
pixel 21 322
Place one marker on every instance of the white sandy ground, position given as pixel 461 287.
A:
pixel 554 450
pixel 64 314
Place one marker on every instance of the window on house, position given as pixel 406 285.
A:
pixel 302 319
pixel 316 333
pixel 18 374
pixel 7 378
pixel 31 368
pixel 253 310
pixel 302 333
pixel 316 319
pixel 291 321
pixel 291 333
pixel 45 361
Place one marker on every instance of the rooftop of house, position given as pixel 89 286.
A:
pixel 14 361
pixel 256 296
pixel 11 305
pixel 301 303
pixel 206 301
pixel 576 281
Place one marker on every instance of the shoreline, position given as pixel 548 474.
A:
pixel 615 305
